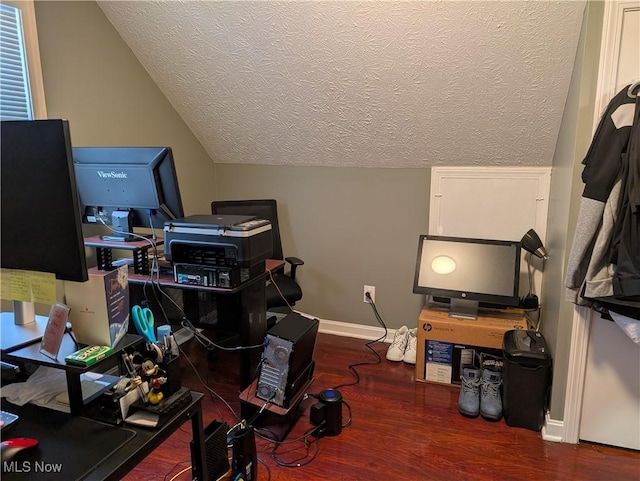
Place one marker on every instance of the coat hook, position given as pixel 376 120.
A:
pixel 632 87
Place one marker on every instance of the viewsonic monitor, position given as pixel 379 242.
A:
pixel 468 272
pixel 140 182
pixel 41 225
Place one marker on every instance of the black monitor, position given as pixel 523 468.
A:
pixel 468 272
pixel 41 225
pixel 139 183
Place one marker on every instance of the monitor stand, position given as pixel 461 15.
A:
pixel 463 309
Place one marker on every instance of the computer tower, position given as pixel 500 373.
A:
pixel 287 359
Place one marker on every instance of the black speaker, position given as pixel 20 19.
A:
pixel 287 359
pixel 328 410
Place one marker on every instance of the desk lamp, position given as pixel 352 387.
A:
pixel 533 245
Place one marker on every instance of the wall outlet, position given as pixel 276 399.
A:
pixel 372 292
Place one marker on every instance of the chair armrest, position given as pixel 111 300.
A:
pixel 294 262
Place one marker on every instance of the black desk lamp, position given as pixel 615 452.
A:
pixel 533 245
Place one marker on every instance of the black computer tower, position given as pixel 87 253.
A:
pixel 287 359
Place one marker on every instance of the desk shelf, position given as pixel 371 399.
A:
pixel 31 354
pixel 140 250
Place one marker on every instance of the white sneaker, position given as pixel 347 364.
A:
pixel 411 350
pixel 399 344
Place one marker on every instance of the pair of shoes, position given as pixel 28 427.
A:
pixel 480 393
pixel 404 346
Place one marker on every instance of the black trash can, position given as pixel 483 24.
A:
pixel 526 378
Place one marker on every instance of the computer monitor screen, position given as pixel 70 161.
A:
pixel 41 225
pixel 468 272
pixel 141 181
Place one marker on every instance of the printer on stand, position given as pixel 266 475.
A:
pixel 217 250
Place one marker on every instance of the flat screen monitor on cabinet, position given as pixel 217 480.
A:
pixel 138 184
pixel 468 272
pixel 41 227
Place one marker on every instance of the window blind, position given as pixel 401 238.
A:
pixel 15 95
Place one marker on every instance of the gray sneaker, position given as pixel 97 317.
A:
pixel 490 399
pixel 469 400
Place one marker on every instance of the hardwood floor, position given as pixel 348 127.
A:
pixel 400 430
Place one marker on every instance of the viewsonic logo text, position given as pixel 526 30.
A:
pixel 111 175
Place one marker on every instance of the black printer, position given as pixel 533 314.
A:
pixel 217 250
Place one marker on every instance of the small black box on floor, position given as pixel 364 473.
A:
pixel 287 359
pixel 526 378
pixel 215 446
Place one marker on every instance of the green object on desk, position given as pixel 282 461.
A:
pixel 88 355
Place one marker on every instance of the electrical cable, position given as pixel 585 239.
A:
pixel 348 422
pixel 352 367
pixel 207 387
pixel 300 461
pixel 179 473
pixel 279 291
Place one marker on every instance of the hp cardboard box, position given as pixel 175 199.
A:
pixel 445 343
pixel 100 307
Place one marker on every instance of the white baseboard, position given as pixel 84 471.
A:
pixel 553 429
pixel 358 331
pixel 348 329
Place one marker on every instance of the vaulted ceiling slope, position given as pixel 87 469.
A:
pixel 367 84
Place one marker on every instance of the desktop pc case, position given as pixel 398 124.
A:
pixel 287 359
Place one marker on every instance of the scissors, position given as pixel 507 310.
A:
pixel 144 322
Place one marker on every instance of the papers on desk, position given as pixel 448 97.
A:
pixel 138 417
pixel 143 418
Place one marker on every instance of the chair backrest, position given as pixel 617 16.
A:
pixel 261 208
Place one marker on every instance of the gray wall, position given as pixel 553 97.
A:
pixel 574 139
pixel 92 78
pixel 351 227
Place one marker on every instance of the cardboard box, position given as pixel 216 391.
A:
pixel 445 343
pixel 100 307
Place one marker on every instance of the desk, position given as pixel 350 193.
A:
pixel 87 449
pixel 14 336
pixel 245 304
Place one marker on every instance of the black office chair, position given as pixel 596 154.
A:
pixel 284 282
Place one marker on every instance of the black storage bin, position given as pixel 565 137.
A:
pixel 526 378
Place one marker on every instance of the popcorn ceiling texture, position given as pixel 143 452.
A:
pixel 361 84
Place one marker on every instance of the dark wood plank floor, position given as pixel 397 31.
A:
pixel 400 430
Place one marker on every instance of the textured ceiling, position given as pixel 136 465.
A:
pixel 374 84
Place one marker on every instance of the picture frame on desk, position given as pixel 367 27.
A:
pixel 54 331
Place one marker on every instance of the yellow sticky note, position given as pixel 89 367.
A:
pixel 43 287
pixel 28 286
pixel 5 284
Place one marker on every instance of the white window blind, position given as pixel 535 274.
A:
pixel 15 95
